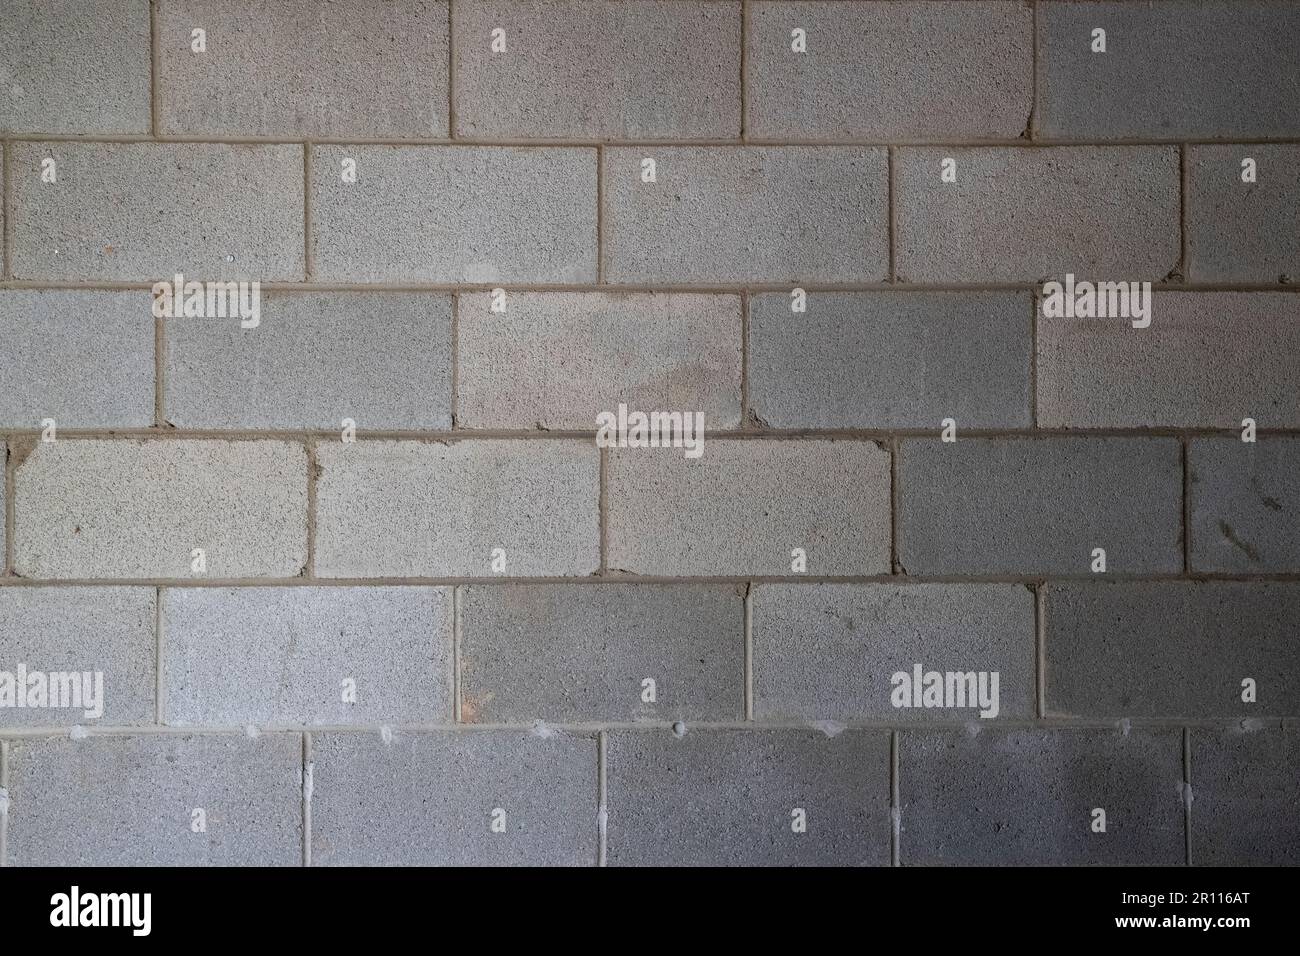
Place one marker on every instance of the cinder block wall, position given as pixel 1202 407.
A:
pixel 435 643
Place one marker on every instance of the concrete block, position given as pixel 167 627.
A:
pixel 382 359
pixel 1208 68
pixel 141 212
pixel 1172 649
pixel 746 214
pixel 628 70
pixel 1244 783
pixel 732 798
pixel 575 653
pixel 909 71
pixel 75 67
pixel 289 656
pixel 743 507
pixel 558 359
pixel 139 509
pixel 288 70
pixel 1040 506
pixel 454 214
pixel 891 360
pixel 1238 231
pixel 132 801
pixel 1245 505
pixel 1021 214
pixel 830 651
pixel 97 639
pixel 432 799
pixel 1028 797
pixel 386 509
pixel 83 358
pixel 1209 359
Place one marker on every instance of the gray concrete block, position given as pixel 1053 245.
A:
pixel 891 360
pixel 1040 506
pixel 138 509
pixel 284 69
pixel 289 656
pixel 131 801
pixel 1245 505
pixel 1027 797
pixel 735 214
pixel 558 359
pixel 830 651
pixel 1245 784
pixel 387 509
pixel 454 214
pixel 382 359
pixel 890 71
pixel 77 67
pixel 573 69
pixel 1211 68
pixel 431 799
pixel 1173 649
pixel 83 358
pixel 1209 359
pixel 103 638
pixel 1028 213
pixel 142 212
pixel 1243 232
pixel 576 653
pixel 730 798
pixel 742 507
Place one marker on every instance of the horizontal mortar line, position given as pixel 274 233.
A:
pixel 589 142
pixel 1281 577
pixel 592 727
pixel 701 288
pixel 874 435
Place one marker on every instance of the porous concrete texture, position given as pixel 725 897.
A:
pixel 1196 69
pixel 367 571
pixel 945 86
pixel 1029 797
pixel 467 508
pixel 556 360
pixel 830 651
pixel 75 67
pixel 1244 504
pixel 377 70
pixel 82 358
pixel 142 212
pixel 1171 649
pixel 306 655
pixel 745 507
pixel 891 360
pixel 74 632
pixel 381 359
pixel 97 508
pixel 1097 212
pixel 1208 360
pixel 453 214
pixel 748 798
pixel 1243 813
pixel 1238 230
pixel 755 214
pixel 636 69
pixel 464 799
pixel 1040 505
pixel 575 653
pixel 136 800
